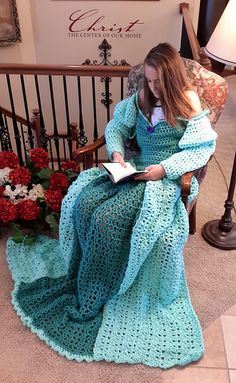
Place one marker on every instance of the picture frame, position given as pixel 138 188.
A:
pixel 9 23
pixel 115 0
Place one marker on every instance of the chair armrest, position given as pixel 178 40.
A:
pixel 85 154
pixel 186 181
pixel 87 149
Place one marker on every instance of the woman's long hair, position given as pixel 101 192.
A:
pixel 173 84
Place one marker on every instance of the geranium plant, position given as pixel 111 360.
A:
pixel 31 195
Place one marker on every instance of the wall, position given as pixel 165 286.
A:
pixel 45 29
pixel 21 52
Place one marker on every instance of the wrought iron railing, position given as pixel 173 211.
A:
pixel 57 107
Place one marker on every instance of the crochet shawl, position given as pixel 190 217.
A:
pixel 150 320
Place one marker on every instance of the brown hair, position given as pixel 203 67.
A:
pixel 173 84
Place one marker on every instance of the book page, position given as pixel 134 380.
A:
pixel 118 172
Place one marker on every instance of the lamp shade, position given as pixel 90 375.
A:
pixel 222 44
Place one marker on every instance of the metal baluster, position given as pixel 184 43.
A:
pixel 107 92
pixel 7 129
pixel 23 140
pixel 64 147
pixel 122 88
pixel 107 100
pixel 51 154
pixel 82 139
pixel 30 133
pixel 67 117
pixel 4 135
pixel 95 125
pixel 15 127
pixel 55 134
pixel 42 133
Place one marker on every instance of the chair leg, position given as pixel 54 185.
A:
pixel 192 219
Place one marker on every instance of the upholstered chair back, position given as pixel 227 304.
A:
pixel 211 88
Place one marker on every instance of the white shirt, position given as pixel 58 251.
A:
pixel 157 115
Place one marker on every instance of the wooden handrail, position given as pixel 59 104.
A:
pixel 194 44
pixel 198 53
pixel 66 70
pixel 20 119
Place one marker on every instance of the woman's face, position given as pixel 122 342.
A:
pixel 152 77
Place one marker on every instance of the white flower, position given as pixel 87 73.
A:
pixel 8 192
pixel 36 192
pixel 19 191
pixel 4 175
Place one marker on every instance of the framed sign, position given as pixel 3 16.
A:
pixel 9 23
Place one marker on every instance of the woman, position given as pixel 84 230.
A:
pixel 124 296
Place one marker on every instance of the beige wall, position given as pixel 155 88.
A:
pixel 45 35
pixel 21 52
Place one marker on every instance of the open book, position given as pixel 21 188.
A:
pixel 118 173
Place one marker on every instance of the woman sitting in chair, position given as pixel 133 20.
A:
pixel 124 296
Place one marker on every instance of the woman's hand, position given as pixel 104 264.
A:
pixel 117 157
pixel 155 172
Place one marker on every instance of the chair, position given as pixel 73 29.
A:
pixel 212 90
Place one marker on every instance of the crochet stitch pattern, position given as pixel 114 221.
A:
pixel 118 292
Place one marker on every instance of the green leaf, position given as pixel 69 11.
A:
pixel 15 227
pixel 27 161
pixel 18 238
pixel 45 184
pixel 29 240
pixel 71 175
pixel 40 199
pixel 44 174
pixel 52 221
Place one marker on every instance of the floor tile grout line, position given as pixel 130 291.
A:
pixel 211 367
pixel 226 356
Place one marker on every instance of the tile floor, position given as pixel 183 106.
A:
pixel 219 362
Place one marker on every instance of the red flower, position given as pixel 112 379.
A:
pixel 1 191
pixel 70 165
pixel 20 176
pixel 8 211
pixel 58 181
pixel 54 199
pixel 39 158
pixel 8 159
pixel 28 210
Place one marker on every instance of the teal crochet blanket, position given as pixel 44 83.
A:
pixel 113 288
pixel 103 303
